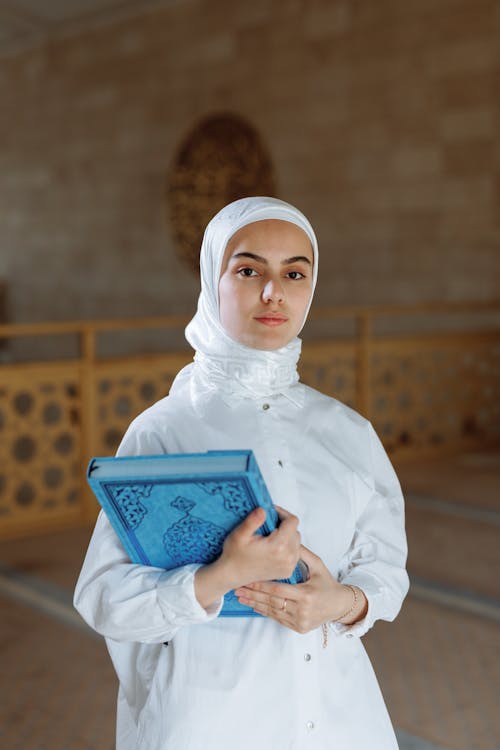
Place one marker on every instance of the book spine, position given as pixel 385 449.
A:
pixel 264 499
pixel 262 495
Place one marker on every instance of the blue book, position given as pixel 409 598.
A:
pixel 172 510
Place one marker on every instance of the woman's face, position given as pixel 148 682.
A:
pixel 266 283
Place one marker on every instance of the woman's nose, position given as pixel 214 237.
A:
pixel 273 292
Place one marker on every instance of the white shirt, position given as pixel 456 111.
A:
pixel 251 683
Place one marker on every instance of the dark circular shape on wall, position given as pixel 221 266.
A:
pixel 104 386
pixel 221 159
pixel 53 477
pixel 23 403
pixel 112 438
pixel 72 496
pixel 64 443
pixel 147 391
pixel 24 448
pixel 25 494
pixel 123 407
pixel 52 413
pixel 71 390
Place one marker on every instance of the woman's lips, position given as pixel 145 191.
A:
pixel 272 321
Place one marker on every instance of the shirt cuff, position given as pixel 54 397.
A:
pixel 373 592
pixel 177 598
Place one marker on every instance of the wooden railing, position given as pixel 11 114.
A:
pixel 425 390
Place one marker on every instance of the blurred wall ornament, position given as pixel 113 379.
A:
pixel 222 159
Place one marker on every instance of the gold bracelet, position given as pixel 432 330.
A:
pixel 324 627
pixel 353 607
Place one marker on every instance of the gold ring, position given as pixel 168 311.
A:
pixel 283 606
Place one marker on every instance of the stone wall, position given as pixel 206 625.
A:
pixel 381 119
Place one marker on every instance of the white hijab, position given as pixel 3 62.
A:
pixel 221 363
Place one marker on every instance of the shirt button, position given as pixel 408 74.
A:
pixel 349 635
pixel 307 657
pixel 310 725
pixel 280 462
pixel 265 407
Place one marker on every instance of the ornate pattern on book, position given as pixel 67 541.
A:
pixel 191 538
pixel 128 499
pixel 234 497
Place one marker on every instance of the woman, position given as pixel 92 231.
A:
pixel 299 676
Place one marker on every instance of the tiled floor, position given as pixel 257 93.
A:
pixel 57 685
pixel 438 676
pixel 435 663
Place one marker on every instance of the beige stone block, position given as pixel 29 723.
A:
pixel 258 13
pixel 466 19
pixel 417 196
pixel 468 158
pixel 466 225
pixel 466 91
pixel 467 193
pixel 416 161
pixel 462 57
pixel 469 124
pixel 327 19
pixel 217 48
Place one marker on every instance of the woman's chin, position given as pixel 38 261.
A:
pixel 261 337
pixel 266 343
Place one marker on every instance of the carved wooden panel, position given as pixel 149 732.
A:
pixel 433 393
pixel 221 160
pixel 421 392
pixel 330 367
pixel 40 466
pixel 125 389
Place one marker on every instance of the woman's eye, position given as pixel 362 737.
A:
pixel 247 272
pixel 295 275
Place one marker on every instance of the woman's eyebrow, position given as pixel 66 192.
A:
pixel 260 259
pixel 296 259
pixel 253 256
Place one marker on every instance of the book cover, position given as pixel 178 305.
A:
pixel 176 509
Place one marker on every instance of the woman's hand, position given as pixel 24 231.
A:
pixel 247 556
pixel 252 557
pixel 304 606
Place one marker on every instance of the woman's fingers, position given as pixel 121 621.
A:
pixel 284 515
pixel 288 528
pixel 272 588
pixel 251 598
pixel 257 517
pixel 278 606
pixel 247 528
pixel 261 558
pixel 270 595
pixel 274 604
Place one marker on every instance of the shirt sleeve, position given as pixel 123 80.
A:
pixel 376 559
pixel 130 602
